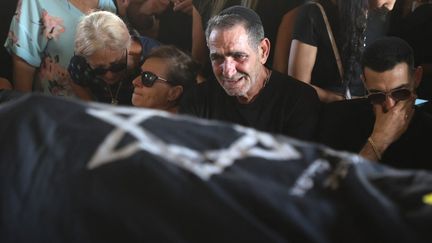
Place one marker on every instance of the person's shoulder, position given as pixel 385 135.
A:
pixel 309 8
pixel 289 83
pixel 197 99
pixel 147 44
pixel 345 124
pixel 423 115
pixel 197 91
pixel 352 104
pixel 354 109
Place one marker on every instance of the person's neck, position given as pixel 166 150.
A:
pixel 264 76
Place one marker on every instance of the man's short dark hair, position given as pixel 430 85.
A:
pixel 235 15
pixel 385 53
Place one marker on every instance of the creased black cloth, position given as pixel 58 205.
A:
pixel 79 172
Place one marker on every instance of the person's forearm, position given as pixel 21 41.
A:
pixel 327 96
pixel 369 153
pixel 373 149
pixel 81 92
pixel 23 74
pixel 5 84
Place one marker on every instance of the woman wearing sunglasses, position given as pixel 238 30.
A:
pixel 165 75
pixel 106 58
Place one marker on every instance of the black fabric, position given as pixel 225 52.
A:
pixel 270 11
pixel 175 28
pixel 346 125
pixel 7 10
pixel 416 29
pixel 310 29
pixel 85 172
pixel 284 105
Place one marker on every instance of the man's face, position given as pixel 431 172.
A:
pixel 236 64
pixel 385 5
pixel 391 83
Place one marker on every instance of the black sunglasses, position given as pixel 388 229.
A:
pixel 149 78
pixel 115 68
pixel 396 95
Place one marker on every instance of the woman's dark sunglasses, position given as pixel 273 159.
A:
pixel 149 78
pixel 396 95
pixel 115 68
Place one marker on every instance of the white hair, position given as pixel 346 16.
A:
pixel 101 30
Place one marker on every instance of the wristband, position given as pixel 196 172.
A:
pixel 374 148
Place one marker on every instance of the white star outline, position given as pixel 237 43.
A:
pixel 204 164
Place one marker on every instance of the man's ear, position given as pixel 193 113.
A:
pixel 264 50
pixel 418 74
pixel 175 92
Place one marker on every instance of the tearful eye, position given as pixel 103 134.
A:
pixel 240 57
pixel 216 59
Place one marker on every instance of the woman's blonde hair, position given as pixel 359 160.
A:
pixel 101 30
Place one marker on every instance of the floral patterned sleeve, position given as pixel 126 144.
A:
pixel 25 39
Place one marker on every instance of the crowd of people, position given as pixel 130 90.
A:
pixel 305 69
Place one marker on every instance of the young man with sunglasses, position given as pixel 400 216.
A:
pixel 387 126
pixel 246 91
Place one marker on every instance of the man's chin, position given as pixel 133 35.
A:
pixel 234 92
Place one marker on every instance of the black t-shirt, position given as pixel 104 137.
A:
pixel 175 28
pixel 271 13
pixel 346 125
pixel 416 29
pixel 311 29
pixel 284 105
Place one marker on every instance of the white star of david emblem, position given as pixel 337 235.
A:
pixel 204 164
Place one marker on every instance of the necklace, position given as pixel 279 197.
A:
pixel 114 99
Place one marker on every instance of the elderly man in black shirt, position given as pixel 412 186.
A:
pixel 249 93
